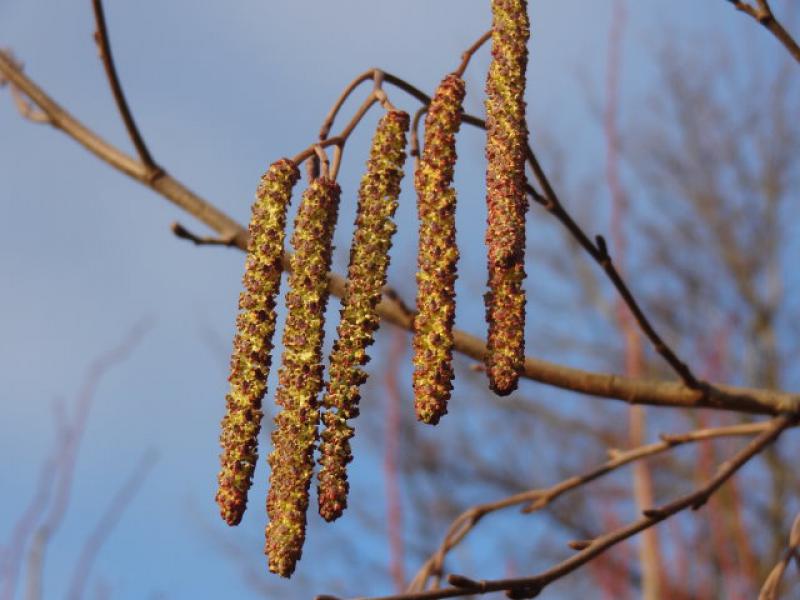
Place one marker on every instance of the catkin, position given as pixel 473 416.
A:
pixel 369 260
pixel 300 376
pixel 252 344
pixel 438 254
pixel 506 142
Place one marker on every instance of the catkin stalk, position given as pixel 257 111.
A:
pixel 252 344
pixel 369 260
pixel 300 377
pixel 506 142
pixel 438 254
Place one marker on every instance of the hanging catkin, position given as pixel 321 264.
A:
pixel 438 254
pixel 506 142
pixel 252 345
pixel 369 259
pixel 300 376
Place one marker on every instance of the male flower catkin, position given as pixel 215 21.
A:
pixel 300 376
pixel 438 254
pixel 252 345
pixel 369 259
pixel 506 142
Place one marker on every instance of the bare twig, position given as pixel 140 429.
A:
pixel 529 587
pixel 467 55
pixel 104 46
pixel 771 587
pixel 630 390
pixel 762 13
pixel 540 498
pixel 180 231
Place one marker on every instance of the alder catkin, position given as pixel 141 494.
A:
pixel 438 254
pixel 506 143
pixel 252 344
pixel 300 376
pixel 369 260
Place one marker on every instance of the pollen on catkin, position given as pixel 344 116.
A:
pixel 438 254
pixel 300 376
pixel 506 143
pixel 252 344
pixel 369 260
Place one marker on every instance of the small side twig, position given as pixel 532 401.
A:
pixel 771 587
pixel 183 233
pixel 104 46
pixel 762 13
pixel 467 55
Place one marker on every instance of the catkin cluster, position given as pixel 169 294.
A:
pixel 438 254
pixel 369 260
pixel 506 143
pixel 252 345
pixel 300 376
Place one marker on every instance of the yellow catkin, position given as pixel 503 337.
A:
pixel 252 345
pixel 438 254
pixel 369 260
pixel 506 143
pixel 300 377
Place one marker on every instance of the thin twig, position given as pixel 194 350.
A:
pixel 772 584
pixel 529 587
pixel 467 55
pixel 104 46
pixel 602 385
pixel 540 498
pixel 764 15
pixel 183 233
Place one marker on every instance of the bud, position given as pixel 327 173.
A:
pixel 369 260
pixel 252 344
pixel 506 143
pixel 438 254
pixel 300 376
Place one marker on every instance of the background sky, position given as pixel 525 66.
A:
pixel 219 91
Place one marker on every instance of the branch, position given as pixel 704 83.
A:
pixel 630 390
pixel 540 498
pixel 764 15
pixel 529 587
pixel 769 591
pixel 104 46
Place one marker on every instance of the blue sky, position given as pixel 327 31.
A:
pixel 219 91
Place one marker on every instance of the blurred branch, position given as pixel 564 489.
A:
pixel 762 12
pixel 114 511
pixel 529 587
pixel 631 390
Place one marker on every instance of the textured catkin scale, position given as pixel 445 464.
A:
pixel 506 142
pixel 369 260
pixel 438 254
pixel 252 345
pixel 300 376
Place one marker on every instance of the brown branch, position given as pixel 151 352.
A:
pixel 771 587
pixel 540 498
pixel 104 46
pixel 467 55
pixel 764 15
pixel 180 231
pixel 630 390
pixel 529 587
